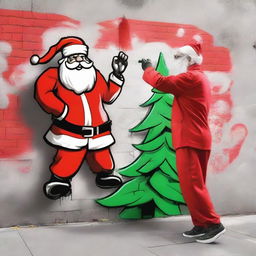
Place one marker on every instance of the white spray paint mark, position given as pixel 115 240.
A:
pixel 198 38
pixel 180 32
pixel 5 87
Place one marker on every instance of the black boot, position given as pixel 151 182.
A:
pixel 107 180
pixel 57 187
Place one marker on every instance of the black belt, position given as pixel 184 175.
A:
pixel 85 131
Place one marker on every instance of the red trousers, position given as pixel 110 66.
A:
pixel 192 167
pixel 66 163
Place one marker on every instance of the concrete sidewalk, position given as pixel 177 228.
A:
pixel 160 237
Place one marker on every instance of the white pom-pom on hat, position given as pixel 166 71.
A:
pixel 34 59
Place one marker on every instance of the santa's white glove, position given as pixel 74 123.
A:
pixel 119 64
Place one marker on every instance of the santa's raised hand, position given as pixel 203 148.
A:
pixel 119 64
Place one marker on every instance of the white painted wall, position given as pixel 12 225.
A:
pixel 232 25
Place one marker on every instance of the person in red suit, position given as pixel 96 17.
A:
pixel 74 94
pixel 191 136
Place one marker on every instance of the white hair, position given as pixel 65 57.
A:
pixel 189 51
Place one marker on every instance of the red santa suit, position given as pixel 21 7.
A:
pixel 84 110
pixel 191 136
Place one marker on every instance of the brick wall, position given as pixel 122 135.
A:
pixel 23 31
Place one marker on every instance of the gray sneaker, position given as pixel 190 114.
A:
pixel 213 232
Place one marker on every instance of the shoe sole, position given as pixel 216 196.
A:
pixel 57 196
pixel 213 239
pixel 192 236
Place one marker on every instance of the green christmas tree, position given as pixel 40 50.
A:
pixel 153 190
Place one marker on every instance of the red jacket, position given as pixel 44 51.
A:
pixel 86 109
pixel 191 104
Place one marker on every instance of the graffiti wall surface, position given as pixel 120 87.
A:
pixel 135 27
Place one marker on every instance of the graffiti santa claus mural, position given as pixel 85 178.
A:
pixel 74 94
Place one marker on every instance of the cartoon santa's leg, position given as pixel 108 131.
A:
pixel 65 165
pixel 101 162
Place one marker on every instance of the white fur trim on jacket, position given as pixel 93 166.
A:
pixel 116 80
pixel 195 58
pixel 100 142
pixel 75 49
pixel 69 142
pixel 64 113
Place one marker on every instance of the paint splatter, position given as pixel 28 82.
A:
pixel 180 32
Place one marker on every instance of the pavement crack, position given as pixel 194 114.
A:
pixel 163 245
pixel 242 233
pixel 26 245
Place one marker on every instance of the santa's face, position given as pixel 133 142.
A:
pixel 180 63
pixel 77 73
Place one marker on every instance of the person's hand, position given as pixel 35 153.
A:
pixel 119 64
pixel 145 63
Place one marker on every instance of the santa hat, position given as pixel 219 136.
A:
pixel 67 45
pixel 194 51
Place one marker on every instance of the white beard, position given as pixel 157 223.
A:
pixel 179 66
pixel 79 81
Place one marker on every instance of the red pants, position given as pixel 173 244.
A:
pixel 66 163
pixel 192 167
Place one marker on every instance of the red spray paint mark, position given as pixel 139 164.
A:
pixel 25 169
pixel 124 35
pixel 237 135
pixel 23 31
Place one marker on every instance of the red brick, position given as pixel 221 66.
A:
pixel 27 22
pixel 2 133
pixel 5 36
pixel 8 143
pixel 5 20
pixel 224 68
pixel 10 152
pixel 22 53
pixel 10 115
pixel 23 142
pixel 12 28
pixel 10 123
pixel 16 130
pixel 15 13
pixel 17 136
pixel 16 21
pixel 15 60
pixel 16 45
pixel 17 37
pixel 32 38
pixel 31 45
pixel 33 31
